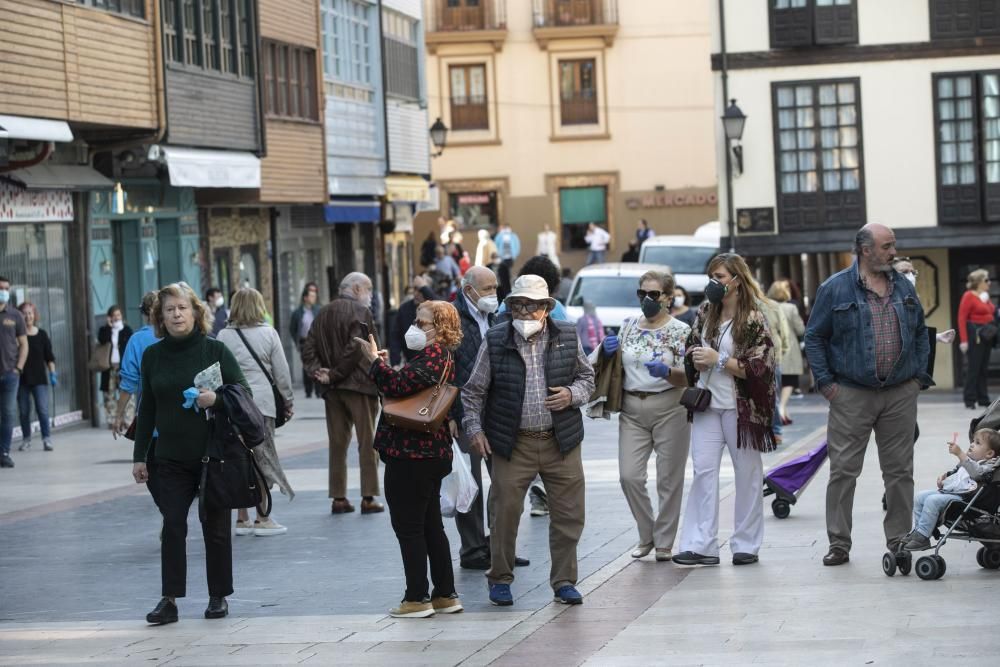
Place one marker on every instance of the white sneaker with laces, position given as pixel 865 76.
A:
pixel 268 528
pixel 244 528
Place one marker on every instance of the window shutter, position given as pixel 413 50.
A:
pixel 988 18
pixel 791 27
pixel 837 24
pixel 953 18
pixel 581 206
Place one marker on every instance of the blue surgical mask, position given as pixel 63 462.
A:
pixel 4 295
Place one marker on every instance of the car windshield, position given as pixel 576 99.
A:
pixel 680 259
pixel 605 291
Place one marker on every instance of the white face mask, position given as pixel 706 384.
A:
pixel 219 301
pixel 912 277
pixel 416 338
pixel 984 297
pixel 118 326
pixel 487 304
pixel 528 328
pixel 678 301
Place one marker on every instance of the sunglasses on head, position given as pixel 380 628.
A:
pixel 653 294
pixel 526 306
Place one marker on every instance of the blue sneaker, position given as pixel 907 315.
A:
pixel 500 595
pixel 568 595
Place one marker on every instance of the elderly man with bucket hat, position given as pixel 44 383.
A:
pixel 522 408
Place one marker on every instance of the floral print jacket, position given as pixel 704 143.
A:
pixel 756 393
pixel 423 371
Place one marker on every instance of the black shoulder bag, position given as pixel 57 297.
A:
pixel 279 400
pixel 231 478
pixel 697 399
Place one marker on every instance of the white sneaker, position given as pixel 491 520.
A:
pixel 642 550
pixel 244 528
pixel 268 527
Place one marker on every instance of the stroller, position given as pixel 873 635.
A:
pixel 975 520
pixel 789 480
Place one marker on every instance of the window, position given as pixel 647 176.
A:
pixel 289 81
pixel 201 33
pixel 577 92
pixel 347 48
pixel 473 210
pixel 578 207
pixel 136 8
pixel 967 114
pixel 813 22
pixel 964 18
pixel 469 106
pixel 461 15
pixel 401 55
pixel 818 151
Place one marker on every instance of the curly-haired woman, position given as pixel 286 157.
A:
pixel 731 354
pixel 416 462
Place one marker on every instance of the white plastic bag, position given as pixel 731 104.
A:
pixel 458 489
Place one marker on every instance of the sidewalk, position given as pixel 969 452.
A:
pixel 75 583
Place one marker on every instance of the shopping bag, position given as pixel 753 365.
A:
pixel 458 488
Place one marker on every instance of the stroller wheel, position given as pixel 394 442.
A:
pixel 928 568
pixel 889 564
pixel 981 557
pixel 904 561
pixel 942 565
pixel 991 559
pixel 781 508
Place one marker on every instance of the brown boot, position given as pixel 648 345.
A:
pixel 342 506
pixel 370 506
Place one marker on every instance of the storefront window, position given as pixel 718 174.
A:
pixel 473 210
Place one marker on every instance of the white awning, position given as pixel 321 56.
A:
pixel 34 129
pixel 48 176
pixel 211 169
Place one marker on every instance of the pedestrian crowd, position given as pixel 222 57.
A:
pixel 483 364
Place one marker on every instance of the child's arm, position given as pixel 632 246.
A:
pixel 957 451
pixel 940 480
pixel 976 469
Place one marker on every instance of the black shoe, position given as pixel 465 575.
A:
pixel 521 562
pixel 984 404
pixel 6 461
pixel 971 406
pixel 164 612
pixel 476 563
pixel 217 608
pixel 836 557
pixel 744 559
pixel 691 558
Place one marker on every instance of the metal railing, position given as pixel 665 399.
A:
pixel 466 15
pixel 565 13
pixel 578 109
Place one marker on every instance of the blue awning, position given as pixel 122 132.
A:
pixel 349 211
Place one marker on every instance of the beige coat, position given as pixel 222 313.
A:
pixel 267 345
pixel 791 362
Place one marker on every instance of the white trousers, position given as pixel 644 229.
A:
pixel 711 433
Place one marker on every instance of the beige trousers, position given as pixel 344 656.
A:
pixel 563 479
pixel 346 410
pixel 657 423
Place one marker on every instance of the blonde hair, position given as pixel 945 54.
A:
pixel 779 291
pixel 976 278
pixel 202 316
pixel 246 308
pixel 447 325
pixel 749 294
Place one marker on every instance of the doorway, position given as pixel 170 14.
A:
pixel 963 262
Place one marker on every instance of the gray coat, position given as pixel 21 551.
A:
pixel 267 345
pixel 791 363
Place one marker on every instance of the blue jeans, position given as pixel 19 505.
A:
pixel 40 392
pixel 596 257
pixel 927 508
pixel 9 382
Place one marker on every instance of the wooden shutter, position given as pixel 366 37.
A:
pixel 791 26
pixel 987 18
pixel 837 24
pixel 953 18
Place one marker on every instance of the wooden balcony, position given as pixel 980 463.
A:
pixel 575 19
pixel 466 21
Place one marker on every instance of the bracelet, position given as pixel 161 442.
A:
pixel 721 363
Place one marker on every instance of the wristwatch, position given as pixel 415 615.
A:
pixel 721 363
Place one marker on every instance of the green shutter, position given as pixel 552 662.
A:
pixel 581 206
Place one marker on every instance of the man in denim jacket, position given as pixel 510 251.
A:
pixel 867 345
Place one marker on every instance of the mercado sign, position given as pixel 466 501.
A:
pixel 674 199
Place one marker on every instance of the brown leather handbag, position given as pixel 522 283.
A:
pixel 425 410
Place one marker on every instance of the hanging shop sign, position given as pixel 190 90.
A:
pixel 674 199
pixel 17 205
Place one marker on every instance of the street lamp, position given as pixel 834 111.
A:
pixel 733 121
pixel 439 137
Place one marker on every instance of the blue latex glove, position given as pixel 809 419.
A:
pixel 54 378
pixel 191 396
pixel 657 369
pixel 610 344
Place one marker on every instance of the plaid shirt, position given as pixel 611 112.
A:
pixel 885 326
pixel 534 415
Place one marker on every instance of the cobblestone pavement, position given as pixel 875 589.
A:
pixel 79 568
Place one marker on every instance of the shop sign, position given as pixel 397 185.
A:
pixel 17 205
pixel 674 199
pixel 755 221
pixel 473 198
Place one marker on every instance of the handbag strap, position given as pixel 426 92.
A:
pixel 253 354
pixel 721 336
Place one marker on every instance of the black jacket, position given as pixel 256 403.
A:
pixel 239 416
pixel 104 336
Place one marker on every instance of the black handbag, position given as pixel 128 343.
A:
pixel 988 333
pixel 697 399
pixel 279 401
pixel 232 479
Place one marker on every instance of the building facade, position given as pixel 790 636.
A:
pixel 566 112
pixel 864 111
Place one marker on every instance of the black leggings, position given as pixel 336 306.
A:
pixel 979 366
pixel 413 492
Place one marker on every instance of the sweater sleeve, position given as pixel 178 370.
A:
pixel 146 420
pixel 977 470
pixel 47 353
pixel 279 367
pixel 231 374
pixel 964 306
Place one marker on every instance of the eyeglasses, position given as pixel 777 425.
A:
pixel 528 307
pixel 653 294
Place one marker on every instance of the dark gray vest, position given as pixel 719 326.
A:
pixel 502 413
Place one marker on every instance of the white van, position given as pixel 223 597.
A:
pixel 687 257
pixel 611 288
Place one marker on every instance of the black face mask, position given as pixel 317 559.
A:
pixel 715 291
pixel 651 308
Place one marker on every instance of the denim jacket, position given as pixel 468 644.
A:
pixel 839 338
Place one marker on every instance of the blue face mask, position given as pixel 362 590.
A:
pixel 4 295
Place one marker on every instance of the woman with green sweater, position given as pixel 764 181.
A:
pixel 173 464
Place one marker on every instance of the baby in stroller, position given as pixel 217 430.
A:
pixel 974 466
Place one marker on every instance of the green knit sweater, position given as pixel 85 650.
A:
pixel 168 368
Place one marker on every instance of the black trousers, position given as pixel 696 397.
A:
pixel 307 380
pixel 979 362
pixel 176 486
pixel 413 492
